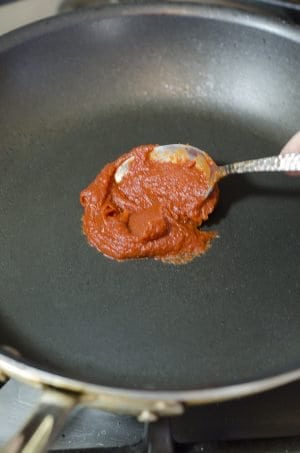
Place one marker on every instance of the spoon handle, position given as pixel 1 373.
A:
pixel 282 162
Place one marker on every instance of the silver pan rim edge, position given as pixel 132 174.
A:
pixel 136 402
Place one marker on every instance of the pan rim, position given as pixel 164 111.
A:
pixel 18 368
pixel 236 13
pixel 25 370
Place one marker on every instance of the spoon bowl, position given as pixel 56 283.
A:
pixel 177 153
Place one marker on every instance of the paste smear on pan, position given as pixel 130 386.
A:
pixel 155 211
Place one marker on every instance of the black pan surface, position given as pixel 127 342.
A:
pixel 80 90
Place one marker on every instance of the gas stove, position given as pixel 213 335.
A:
pixel 262 423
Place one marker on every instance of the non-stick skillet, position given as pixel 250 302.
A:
pixel 142 337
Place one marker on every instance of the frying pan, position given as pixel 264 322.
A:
pixel 143 337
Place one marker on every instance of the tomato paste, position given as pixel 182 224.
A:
pixel 155 211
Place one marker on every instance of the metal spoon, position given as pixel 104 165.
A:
pixel 178 153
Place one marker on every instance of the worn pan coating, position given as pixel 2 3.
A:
pixel 77 91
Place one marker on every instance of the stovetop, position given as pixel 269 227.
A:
pixel 91 429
